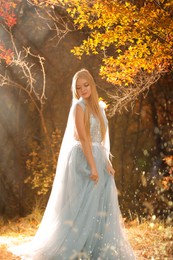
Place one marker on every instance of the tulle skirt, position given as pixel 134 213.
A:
pixel 84 220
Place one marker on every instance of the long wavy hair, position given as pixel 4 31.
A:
pixel 92 103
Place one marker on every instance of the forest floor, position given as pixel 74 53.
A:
pixel 149 239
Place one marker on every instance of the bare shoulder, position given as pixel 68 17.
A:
pixel 79 115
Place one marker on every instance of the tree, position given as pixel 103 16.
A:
pixel 133 39
pixel 19 58
pixel 18 66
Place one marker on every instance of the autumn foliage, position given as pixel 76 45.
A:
pixel 7 20
pixel 129 38
pixel 168 180
pixel 40 165
pixel 132 40
pixel 139 39
pixel 6 54
pixel 7 15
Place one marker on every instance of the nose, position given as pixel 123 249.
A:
pixel 83 89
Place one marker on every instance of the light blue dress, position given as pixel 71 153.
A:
pixel 85 220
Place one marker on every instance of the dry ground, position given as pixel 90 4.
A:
pixel 150 240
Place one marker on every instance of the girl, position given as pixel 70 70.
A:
pixel 82 219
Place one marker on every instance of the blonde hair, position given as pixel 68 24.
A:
pixel 92 103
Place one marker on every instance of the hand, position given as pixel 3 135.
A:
pixel 110 169
pixel 94 176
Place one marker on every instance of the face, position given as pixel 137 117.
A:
pixel 83 88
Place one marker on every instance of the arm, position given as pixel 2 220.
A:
pixel 86 147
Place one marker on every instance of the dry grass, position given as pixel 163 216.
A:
pixel 150 240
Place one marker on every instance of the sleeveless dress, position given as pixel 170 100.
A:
pixel 87 221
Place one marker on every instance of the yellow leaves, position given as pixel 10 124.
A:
pixel 72 11
pixel 116 73
pixel 137 38
pixel 41 166
pixel 134 36
pixel 119 51
pixel 127 4
pixel 88 46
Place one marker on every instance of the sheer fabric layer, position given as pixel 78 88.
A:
pixel 82 220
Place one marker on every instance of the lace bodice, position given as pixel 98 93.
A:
pixel 94 124
pixel 95 129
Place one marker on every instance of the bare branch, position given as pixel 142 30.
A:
pixel 6 81
pixel 122 96
pixel 60 25
pixel 20 60
pixel 41 61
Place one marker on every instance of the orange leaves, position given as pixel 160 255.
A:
pixel 167 181
pixel 7 13
pixel 7 18
pixel 5 54
pixel 137 37
pixel 129 39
